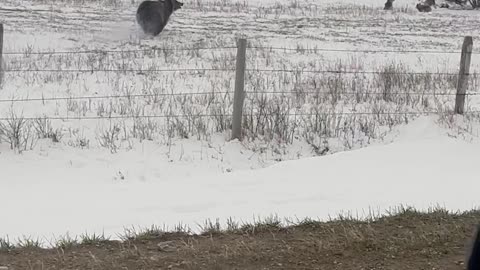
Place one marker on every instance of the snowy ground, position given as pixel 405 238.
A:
pixel 51 193
pixel 106 174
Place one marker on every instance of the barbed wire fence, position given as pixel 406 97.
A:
pixel 240 74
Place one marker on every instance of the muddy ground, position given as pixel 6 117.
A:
pixel 408 240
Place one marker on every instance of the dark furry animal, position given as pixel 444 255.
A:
pixel 423 8
pixel 153 16
pixel 389 5
pixel 473 259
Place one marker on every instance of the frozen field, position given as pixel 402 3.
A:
pixel 48 194
pixel 104 128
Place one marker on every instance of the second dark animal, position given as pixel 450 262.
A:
pixel 423 8
pixel 153 16
pixel 389 5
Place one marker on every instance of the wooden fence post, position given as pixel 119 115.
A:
pixel 1 53
pixel 239 94
pixel 462 82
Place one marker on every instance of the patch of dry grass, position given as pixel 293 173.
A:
pixel 403 239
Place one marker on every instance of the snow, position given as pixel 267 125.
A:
pixel 49 193
pixel 59 188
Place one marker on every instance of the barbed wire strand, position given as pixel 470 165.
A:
pixel 142 71
pixel 112 117
pixel 227 115
pixel 118 51
pixel 119 70
pixel 355 50
pixel 352 72
pixel 360 93
pixel 13 100
pixel 134 96
pixel 26 52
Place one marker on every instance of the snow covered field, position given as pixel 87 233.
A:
pixel 74 169
pixel 50 193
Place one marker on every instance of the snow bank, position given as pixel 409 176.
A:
pixel 79 192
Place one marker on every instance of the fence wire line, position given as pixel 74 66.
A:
pixel 351 72
pixel 132 96
pixel 143 71
pixel 234 47
pixel 119 51
pixel 119 70
pixel 355 50
pixel 112 96
pixel 361 93
pixel 228 115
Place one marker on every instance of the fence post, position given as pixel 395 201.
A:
pixel 462 82
pixel 239 94
pixel 1 53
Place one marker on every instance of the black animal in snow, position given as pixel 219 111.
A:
pixel 426 5
pixel 153 16
pixel 389 5
pixel 423 7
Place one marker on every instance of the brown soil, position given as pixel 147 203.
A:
pixel 409 240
